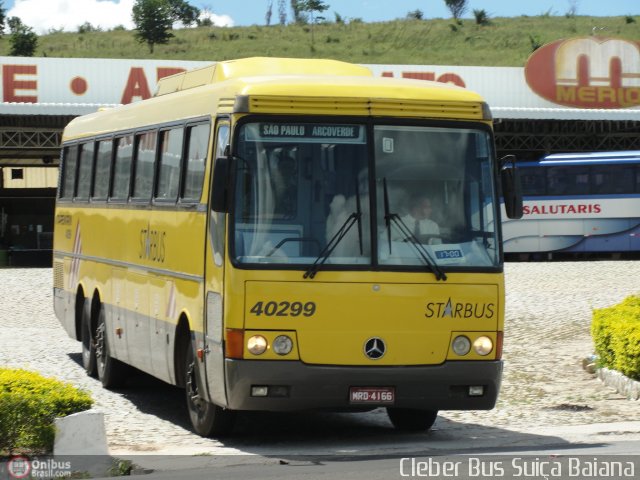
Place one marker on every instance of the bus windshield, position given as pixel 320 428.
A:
pixel 309 193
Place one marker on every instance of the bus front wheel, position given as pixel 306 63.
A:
pixel 411 420
pixel 207 419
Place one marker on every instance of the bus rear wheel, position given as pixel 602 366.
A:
pixel 207 419
pixel 412 420
pixel 111 372
pixel 88 343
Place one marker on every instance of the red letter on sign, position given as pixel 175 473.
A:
pixel 137 86
pixel 419 75
pixel 451 78
pixel 10 84
pixel 167 71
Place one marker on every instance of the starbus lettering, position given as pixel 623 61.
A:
pixel 562 209
pixel 152 245
pixel 63 219
pixel 459 310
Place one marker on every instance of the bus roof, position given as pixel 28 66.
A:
pixel 257 66
pixel 285 86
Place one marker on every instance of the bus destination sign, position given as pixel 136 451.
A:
pixel 308 132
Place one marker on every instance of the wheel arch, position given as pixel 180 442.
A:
pixel 96 303
pixel 182 342
pixel 79 306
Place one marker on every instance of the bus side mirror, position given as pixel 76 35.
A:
pixel 220 185
pixel 511 187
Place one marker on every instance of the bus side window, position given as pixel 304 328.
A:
pixel 533 181
pixel 69 163
pixel 217 228
pixel 144 166
pixel 197 146
pixel 102 173
pixel 85 171
pixel 169 166
pixel 122 168
pixel 612 179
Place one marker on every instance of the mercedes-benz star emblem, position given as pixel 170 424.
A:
pixel 374 348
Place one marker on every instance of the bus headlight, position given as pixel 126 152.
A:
pixel 483 346
pixel 282 345
pixel 461 345
pixel 257 344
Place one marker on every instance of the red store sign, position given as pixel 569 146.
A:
pixel 587 72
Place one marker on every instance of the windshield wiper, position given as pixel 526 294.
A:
pixel 332 244
pixel 408 236
pixel 359 213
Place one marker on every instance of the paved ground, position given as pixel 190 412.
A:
pixel 548 314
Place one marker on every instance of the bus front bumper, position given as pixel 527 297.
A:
pixel 297 386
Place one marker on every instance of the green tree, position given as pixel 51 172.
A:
pixel 298 16
pixel 267 16
pixel 183 12
pixel 153 20
pixel 86 27
pixel 23 39
pixel 2 17
pixel 310 7
pixel 282 12
pixel 456 7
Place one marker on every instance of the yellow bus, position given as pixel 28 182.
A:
pixel 288 234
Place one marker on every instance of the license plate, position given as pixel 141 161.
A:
pixel 378 395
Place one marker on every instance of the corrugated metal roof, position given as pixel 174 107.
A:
pixel 564 113
pixel 50 108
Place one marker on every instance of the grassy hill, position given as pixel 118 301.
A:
pixel 505 42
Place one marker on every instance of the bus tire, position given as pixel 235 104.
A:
pixel 208 420
pixel 88 342
pixel 411 420
pixel 111 372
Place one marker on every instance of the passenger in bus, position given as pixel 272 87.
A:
pixel 340 211
pixel 418 220
pixel 285 185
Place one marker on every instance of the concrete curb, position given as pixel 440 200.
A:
pixel 82 433
pixel 624 385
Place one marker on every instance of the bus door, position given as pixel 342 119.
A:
pixel 214 274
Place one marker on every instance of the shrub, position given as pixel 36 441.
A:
pixel 616 334
pixel 29 403
pixel 415 15
pixel 535 42
pixel 482 17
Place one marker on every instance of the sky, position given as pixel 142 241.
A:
pixel 46 15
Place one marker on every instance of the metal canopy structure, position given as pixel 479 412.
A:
pixel 535 114
pixel 31 134
pixel 531 139
pixel 34 140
